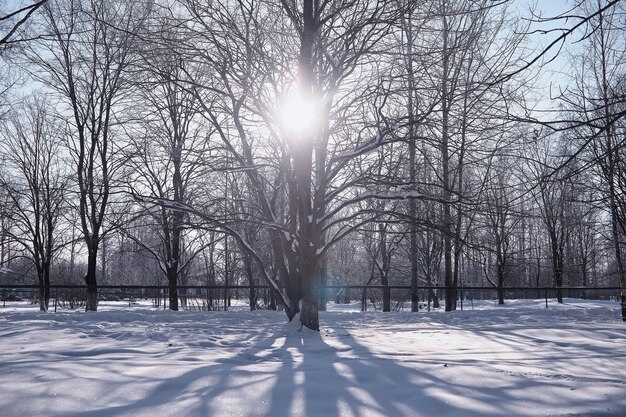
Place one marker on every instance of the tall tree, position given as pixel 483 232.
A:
pixel 84 59
pixel 598 101
pixel 310 173
pixel 167 163
pixel 35 182
pixel 476 43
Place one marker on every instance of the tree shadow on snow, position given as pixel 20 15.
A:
pixel 285 371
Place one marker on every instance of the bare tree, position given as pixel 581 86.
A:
pixel 501 221
pixel 167 164
pixel 475 43
pixel 84 59
pixel 598 101
pixel 36 185
pixel 553 197
pixel 326 43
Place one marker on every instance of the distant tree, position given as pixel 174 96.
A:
pixel 84 60
pixel 501 221
pixel 553 196
pixel 35 182
pixel 597 99
pixel 167 164
pixel 476 43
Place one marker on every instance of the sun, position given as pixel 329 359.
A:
pixel 299 115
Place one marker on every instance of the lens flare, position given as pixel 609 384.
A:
pixel 299 115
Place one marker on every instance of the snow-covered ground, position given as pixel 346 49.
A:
pixel 516 360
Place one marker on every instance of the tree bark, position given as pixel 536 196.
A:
pixel 172 284
pixel 91 303
pixel 303 165
pixel 445 167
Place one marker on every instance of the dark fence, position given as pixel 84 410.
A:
pixel 430 297
pixel 222 297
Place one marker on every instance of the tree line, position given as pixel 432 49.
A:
pixel 302 143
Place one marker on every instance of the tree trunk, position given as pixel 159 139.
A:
pixel 384 269
pixel 273 297
pixel 557 265
pixel 172 281
pixel 46 286
pixel 91 303
pixel 432 295
pixel 500 291
pixel 621 269
pixel 445 168
pixel 323 282
pixel 623 305
pixel 412 160
pixel 387 296
pixel 303 169
pixel 250 276
pixel 309 315
pixel 42 290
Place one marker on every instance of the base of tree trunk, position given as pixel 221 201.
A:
pixel 43 306
pixel 435 298
pixel 624 307
pixel 309 315
pixel 450 299
pixel 559 296
pixel 294 308
pixel 91 303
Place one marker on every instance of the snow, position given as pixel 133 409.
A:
pixel 518 360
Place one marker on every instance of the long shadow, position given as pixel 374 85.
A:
pixel 442 389
pixel 348 379
pixel 192 386
pixel 287 372
pixel 322 380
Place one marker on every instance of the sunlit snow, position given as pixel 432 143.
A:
pixel 517 360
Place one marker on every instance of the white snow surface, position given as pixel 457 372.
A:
pixel 516 360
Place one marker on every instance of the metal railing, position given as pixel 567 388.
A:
pixel 220 297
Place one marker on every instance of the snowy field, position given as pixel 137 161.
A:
pixel 516 360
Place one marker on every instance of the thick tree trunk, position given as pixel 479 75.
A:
pixel 386 295
pixel 309 315
pixel 42 291
pixel 46 286
pixel 172 283
pixel 91 303
pixel 310 238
